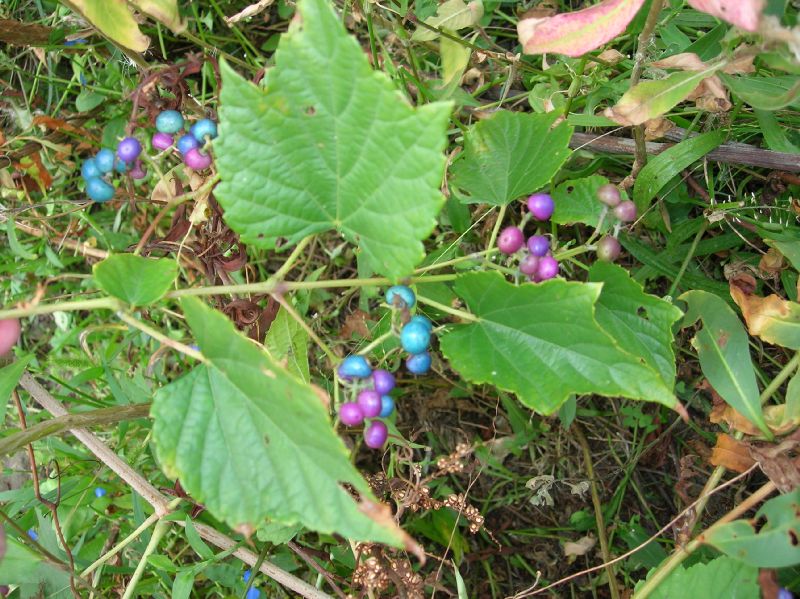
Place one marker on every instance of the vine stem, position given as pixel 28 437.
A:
pixel 448 310
pixel 496 229
pixel 98 303
pixel 292 258
pixel 158 533
pixel 375 343
pixel 160 337
pixel 689 256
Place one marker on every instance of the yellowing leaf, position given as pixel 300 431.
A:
pixel 772 319
pixel 455 59
pixel 745 14
pixel 114 19
pixel 452 15
pixel 165 11
pixel 579 32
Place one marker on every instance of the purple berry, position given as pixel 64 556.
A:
pixel 625 211
pixel 162 141
pixel 538 245
pixel 382 381
pixel 137 172
pixel 510 240
pixel 548 268
pixel 370 403
pixel 609 195
pixel 529 264
pixel 376 434
pixel 129 149
pixel 351 414
pixel 541 206
pixel 608 249
pixel 196 160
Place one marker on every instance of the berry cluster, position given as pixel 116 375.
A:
pixel 608 248
pixel 371 388
pixel 537 263
pixel 98 171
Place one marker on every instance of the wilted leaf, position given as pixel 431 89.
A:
pixel 452 15
pixel 580 547
pixel 165 11
pixel 731 454
pixel 657 128
pixel 113 18
pixel 745 14
pixel 771 318
pixel 579 32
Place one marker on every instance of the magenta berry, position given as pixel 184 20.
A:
pixel 625 211
pixel 382 381
pixel 548 268
pixel 608 249
pixel 510 240
pixel 137 172
pixel 529 265
pixel 376 434
pixel 609 195
pixel 162 141
pixel 196 160
pixel 351 414
pixel 10 331
pixel 538 245
pixel 370 403
pixel 541 206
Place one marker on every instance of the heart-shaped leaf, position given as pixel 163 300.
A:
pixel 576 202
pixel 576 33
pixel 542 343
pixel 510 155
pixel 135 280
pixel 250 441
pixel 328 143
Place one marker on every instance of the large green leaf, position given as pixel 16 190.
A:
pixel 724 354
pixel 661 169
pixel 136 280
pixel 543 343
pixel 510 155
pixel 113 18
pixel 287 341
pixel 250 441
pixel 721 577
pixel 770 540
pixel 328 143
pixel 35 576
pixel 639 322
pixel 576 202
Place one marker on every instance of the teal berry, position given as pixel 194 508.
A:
pixel 415 337
pixel 354 367
pixel 120 167
pixel 403 294
pixel 169 121
pixel 89 169
pixel 423 320
pixel 419 363
pixel 204 128
pixel 98 190
pixel 387 406
pixel 104 160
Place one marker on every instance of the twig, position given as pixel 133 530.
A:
pixel 322 571
pixel 159 502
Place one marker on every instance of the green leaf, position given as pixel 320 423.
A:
pixel 35 576
pixel 455 58
pixel 88 100
pixel 774 133
pixel 721 577
pixel 767 541
pixel 196 542
pixel 639 322
pixel 9 378
pixel 452 15
pixel 764 93
pixel 16 247
pixel 791 410
pixel 510 155
pixel 660 169
pixel 328 143
pixel 650 99
pixel 724 354
pixel 135 280
pixel 114 19
pixel 183 584
pixel 250 441
pixel 543 343
pixel 277 534
pixel 576 202
pixel 287 340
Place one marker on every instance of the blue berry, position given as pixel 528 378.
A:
pixel 538 245
pixel 785 594
pixel 247 574
pixel 98 190
pixel 169 121
pixel 415 337
pixel 354 367
pixel 253 593
pixel 104 160
pixel 186 143
pixel 423 320
pixel 403 293
pixel 89 169
pixel 204 128
pixel 419 363
pixel 129 149
pixel 387 406
pixel 33 534
pixel 382 381
pixel 99 492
